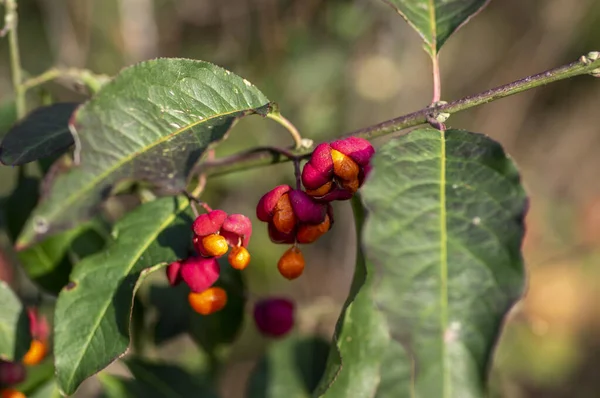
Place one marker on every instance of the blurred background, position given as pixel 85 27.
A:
pixel 338 65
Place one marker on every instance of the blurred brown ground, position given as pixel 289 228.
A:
pixel 335 66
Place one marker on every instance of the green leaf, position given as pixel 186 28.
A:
pixel 14 325
pixel 38 377
pixel 436 20
pixel 292 367
pixel 17 206
pixel 41 134
pixel 47 390
pixel 444 230
pixel 49 262
pixel 175 315
pixel 168 380
pixel 151 123
pixel 93 312
pixel 156 380
pixel 359 361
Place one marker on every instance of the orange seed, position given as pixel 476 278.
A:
pixel 11 393
pixel 37 352
pixel 215 245
pixel 321 191
pixel 344 167
pixel 284 218
pixel 209 301
pixel 310 233
pixel 291 263
pixel 239 258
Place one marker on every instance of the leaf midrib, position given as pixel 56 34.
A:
pixel 432 26
pixel 443 267
pixel 94 181
pixel 138 254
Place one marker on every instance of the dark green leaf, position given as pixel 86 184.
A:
pixel 362 352
pixel 175 315
pixel 156 380
pixel 14 325
pixel 444 230
pixel 20 203
pixel 163 380
pixel 92 317
pixel 436 20
pixel 291 368
pixel 153 122
pixel 49 262
pixel 38 377
pixel 222 327
pixel 120 387
pixel 41 134
pixel 173 309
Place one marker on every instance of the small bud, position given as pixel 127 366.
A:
pixel 595 72
pixel 214 245
pixel 11 393
pixel 308 233
pixel 239 257
pixel 11 373
pixel 274 317
pixel 200 273
pixel 442 117
pixel 174 273
pixel 209 301
pixel 344 167
pixel 291 263
pixel 37 352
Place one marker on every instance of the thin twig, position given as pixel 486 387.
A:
pixel 10 28
pixel 91 80
pixel 437 83
pixel 587 64
pixel 276 116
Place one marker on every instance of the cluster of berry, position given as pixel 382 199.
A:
pixel 214 233
pixel 12 373
pixel 335 171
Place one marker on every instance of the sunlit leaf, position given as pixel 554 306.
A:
pixel 291 368
pixel 93 312
pixel 362 353
pixel 444 230
pixel 436 20
pixel 14 325
pixel 153 122
pixel 49 262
